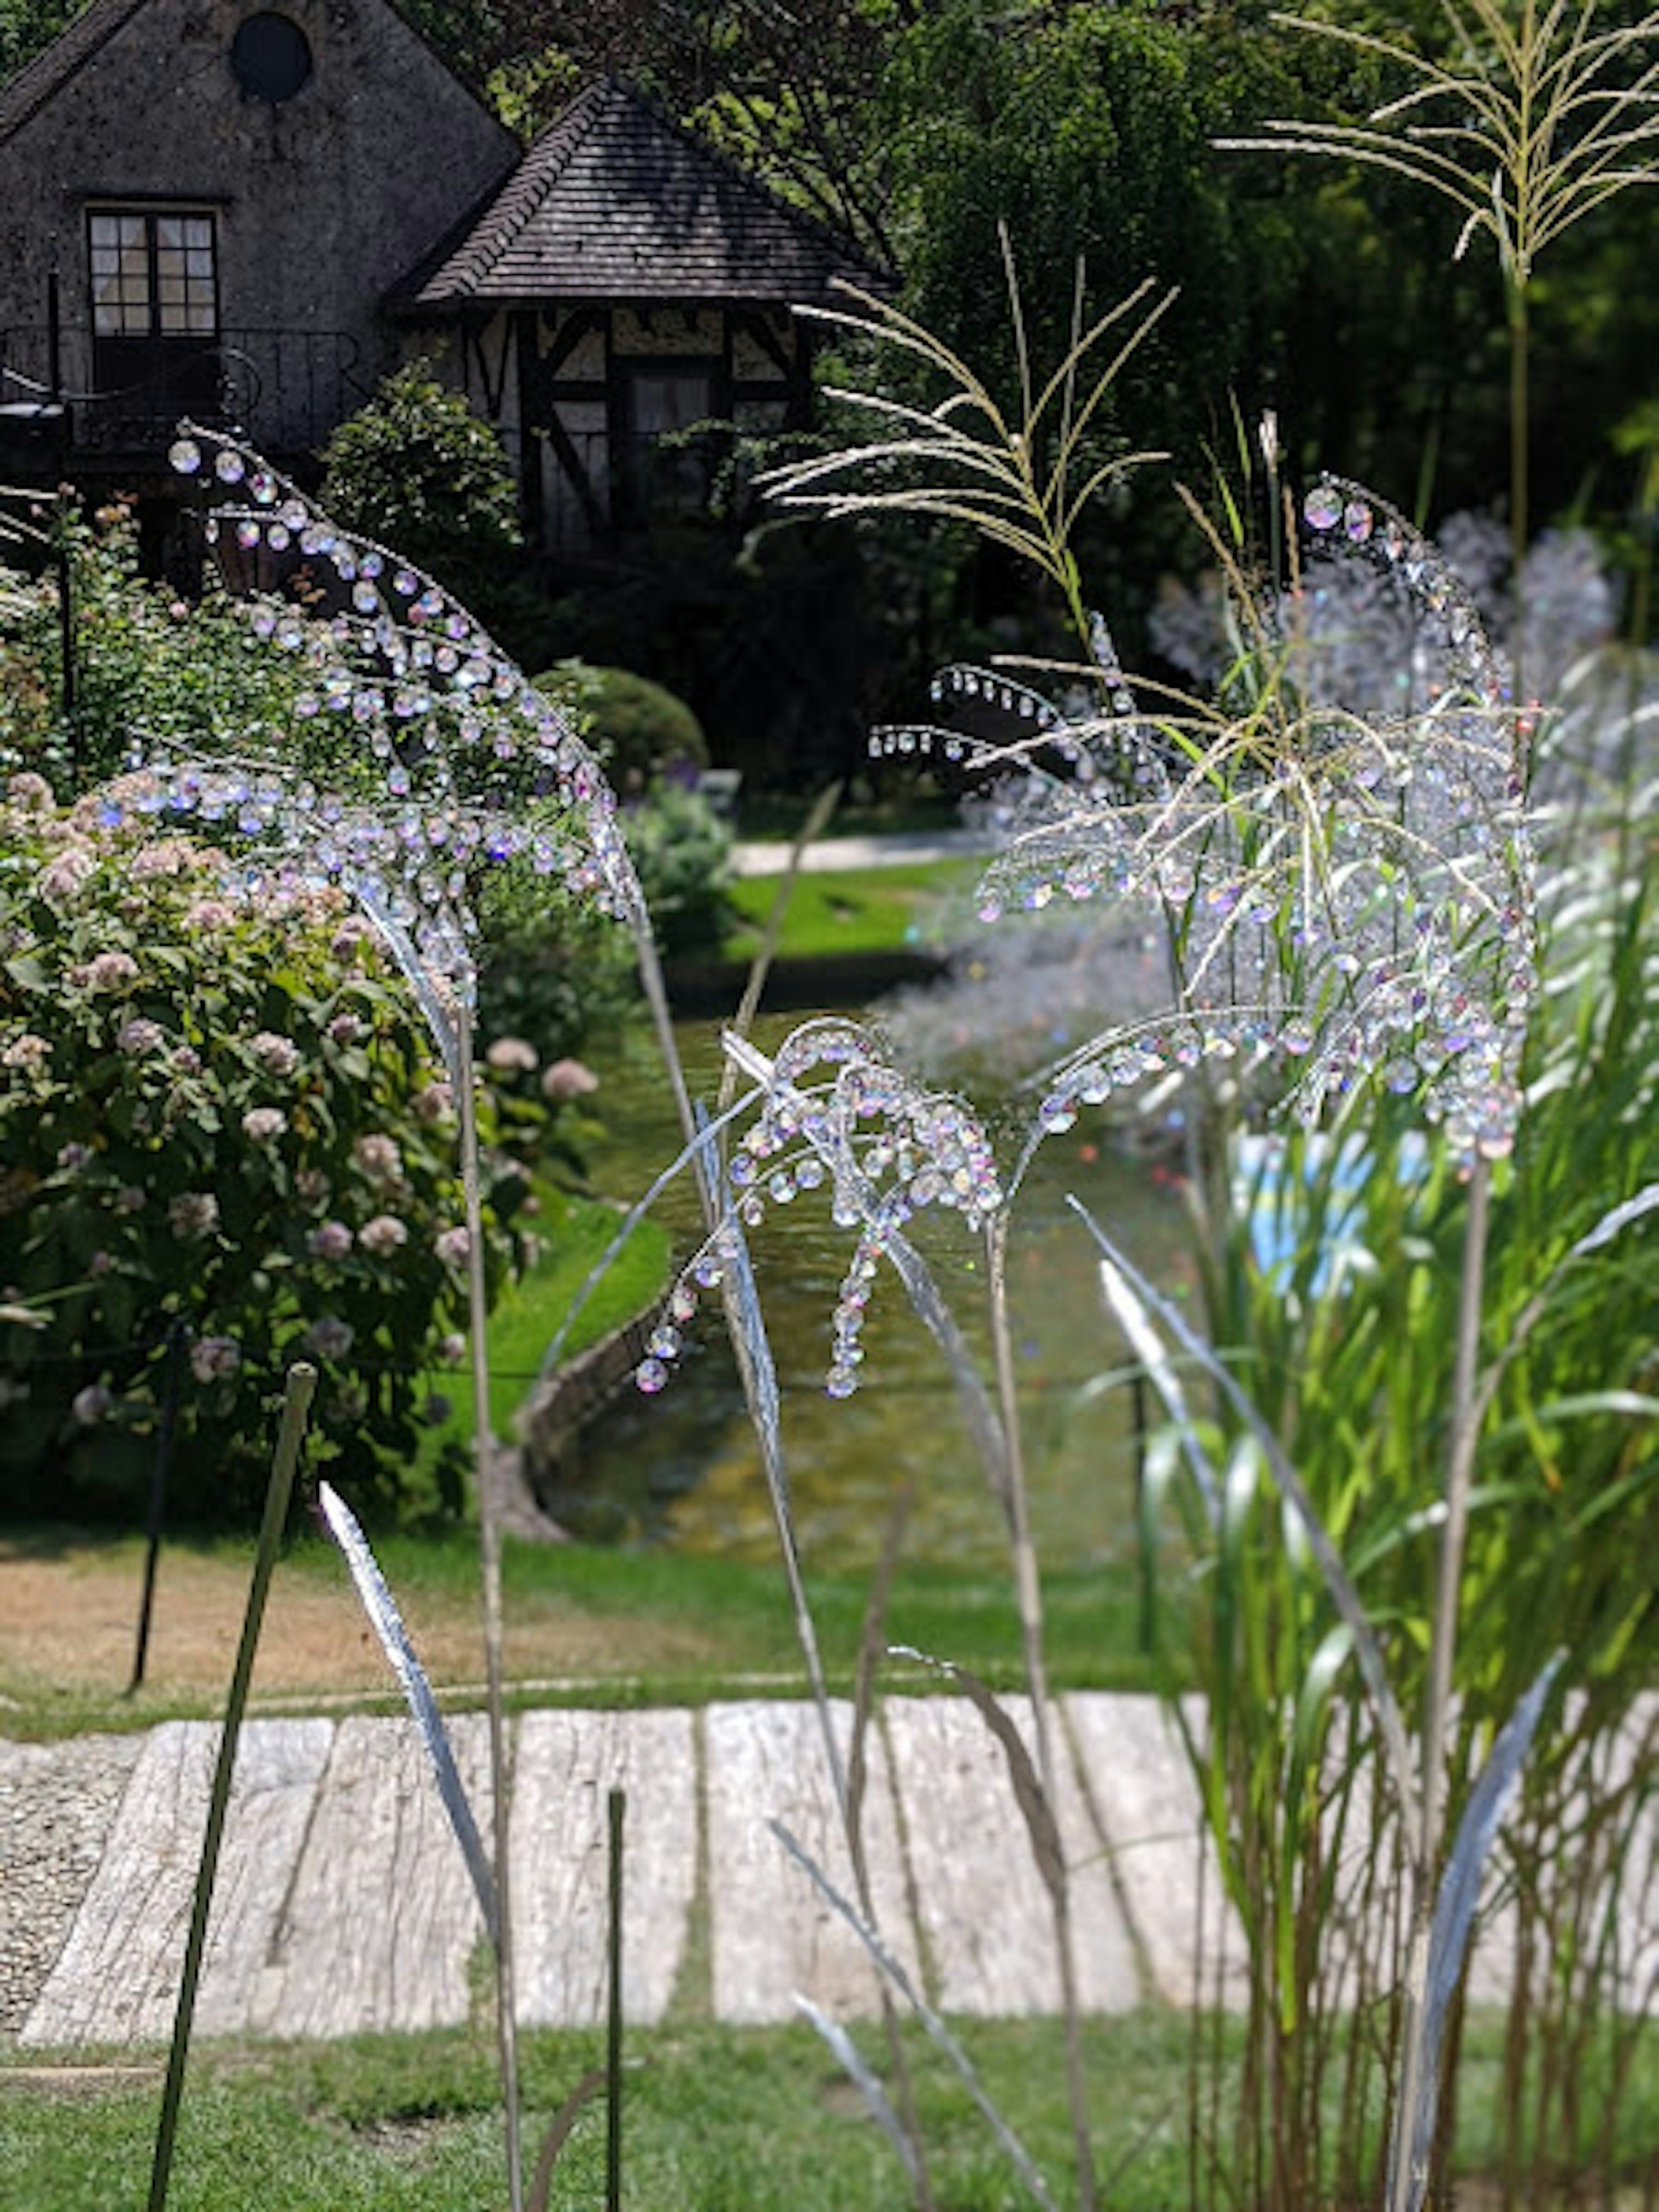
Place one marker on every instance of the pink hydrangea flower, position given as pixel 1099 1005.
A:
pixel 92 1404
pixel 278 1056
pixel 568 1078
pixel 345 1029
pixel 106 971
pixel 435 1103
pixel 215 1358
pixel 27 1051
pixel 139 1035
pixel 330 1337
pixel 168 856
pixel 62 877
pixel 332 1242
pixel 453 1247
pixel 511 1055
pixel 207 916
pixel 194 1214
pixel 262 1125
pixel 379 1159
pixel 30 793
pixel 383 1235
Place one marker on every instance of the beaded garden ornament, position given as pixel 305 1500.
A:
pixel 459 760
pixel 1344 894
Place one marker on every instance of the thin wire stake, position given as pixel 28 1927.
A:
pixel 618 1808
pixel 296 1406
pixel 177 1333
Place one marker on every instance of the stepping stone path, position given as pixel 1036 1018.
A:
pixel 343 1903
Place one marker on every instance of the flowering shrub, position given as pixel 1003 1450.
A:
pixel 218 1117
pixel 146 662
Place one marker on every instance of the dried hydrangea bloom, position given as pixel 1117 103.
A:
pixel 835 1117
pixel 1345 894
pixel 464 761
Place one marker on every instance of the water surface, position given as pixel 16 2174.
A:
pixel 684 1469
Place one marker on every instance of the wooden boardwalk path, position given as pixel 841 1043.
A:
pixel 343 1904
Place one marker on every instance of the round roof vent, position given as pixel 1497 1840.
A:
pixel 270 57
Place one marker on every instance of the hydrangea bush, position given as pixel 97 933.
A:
pixel 223 1130
pixel 147 664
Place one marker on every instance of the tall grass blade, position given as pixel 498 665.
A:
pixel 860 2071
pixel 1454 1917
pixel 557 2134
pixel 1030 1795
pixel 754 1349
pixel 697 1154
pixel 418 973
pixel 871 1651
pixel 819 818
pixel 383 1617
pixel 890 1965
pixel 1367 1652
pixel 1148 1347
pixel 1615 1223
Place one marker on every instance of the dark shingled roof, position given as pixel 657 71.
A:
pixel 615 200
pixel 36 82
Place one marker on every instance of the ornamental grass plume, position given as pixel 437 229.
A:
pixel 833 1115
pixel 1346 895
pixel 1343 892
pixel 1531 118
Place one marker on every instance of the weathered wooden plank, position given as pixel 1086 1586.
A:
pixel 117 1978
pixel 771 1934
pixel 567 1763
pixel 380 1921
pixel 986 1917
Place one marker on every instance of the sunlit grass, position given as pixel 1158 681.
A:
pixel 857 910
pixel 715 2119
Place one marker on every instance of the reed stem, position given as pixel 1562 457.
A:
pixel 489 1552
pixel 296 1406
pixel 1029 1595
pixel 1404 2190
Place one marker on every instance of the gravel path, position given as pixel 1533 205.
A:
pixel 57 1806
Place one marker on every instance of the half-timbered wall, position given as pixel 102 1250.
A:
pixel 583 394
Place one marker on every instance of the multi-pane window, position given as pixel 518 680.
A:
pixel 152 276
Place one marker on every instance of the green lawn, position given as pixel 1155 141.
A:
pixel 576 1231
pixel 855 911
pixel 713 2120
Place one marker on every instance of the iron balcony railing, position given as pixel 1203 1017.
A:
pixel 286 389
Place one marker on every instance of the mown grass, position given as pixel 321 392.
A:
pixel 853 910
pixel 715 2119
pixel 575 1232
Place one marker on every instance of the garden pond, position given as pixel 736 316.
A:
pixel 683 1468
